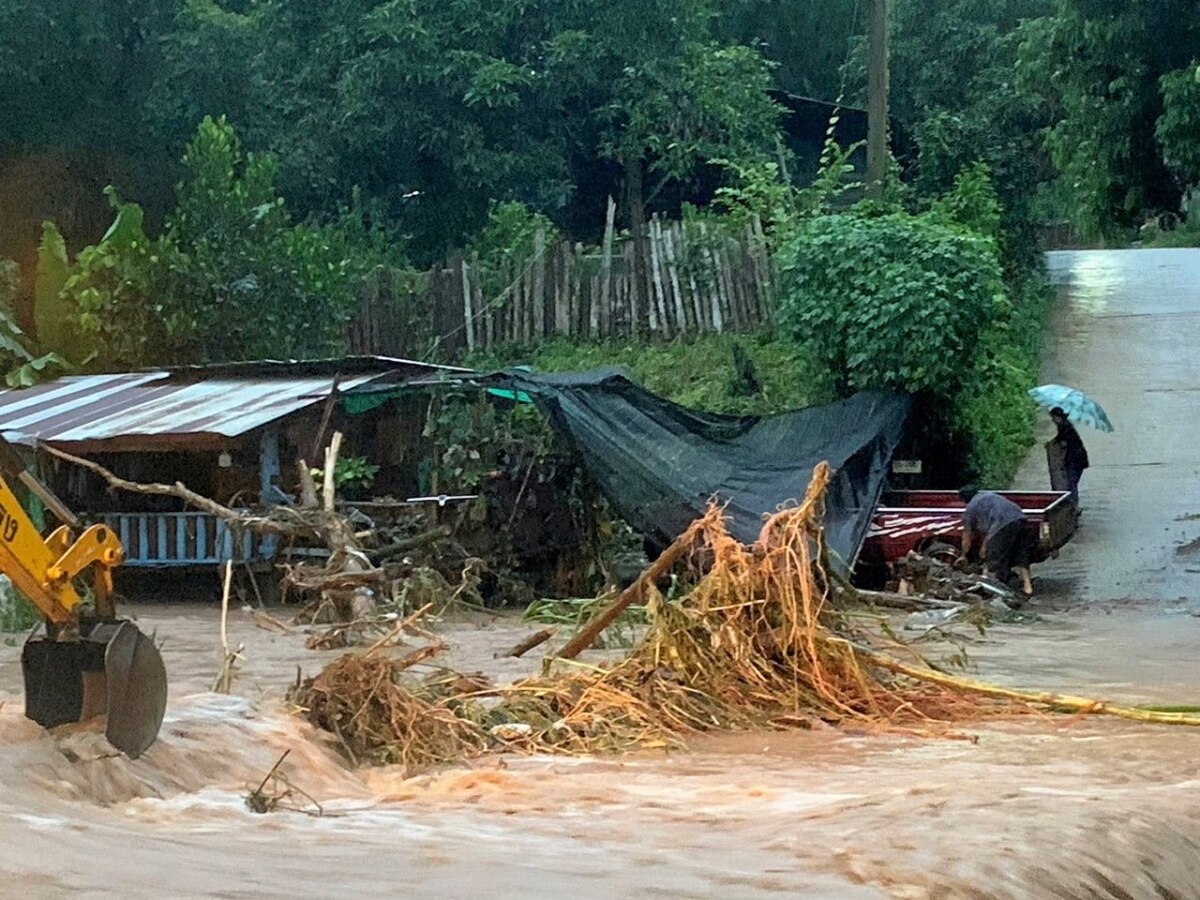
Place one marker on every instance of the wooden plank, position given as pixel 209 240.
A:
pixel 539 284
pixel 727 275
pixel 757 275
pixel 681 318
pixel 718 302
pixel 570 297
pixel 681 248
pixel 591 298
pixel 518 282
pixel 468 313
pixel 749 267
pixel 483 304
pixel 527 302
pixel 751 276
pixel 631 294
pixel 645 284
pixel 562 289
pixel 598 311
pixel 735 311
pixel 618 311
pixel 766 275
pixel 656 279
pixel 700 288
pixel 510 304
pixel 579 298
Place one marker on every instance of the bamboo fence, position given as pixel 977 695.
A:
pixel 678 279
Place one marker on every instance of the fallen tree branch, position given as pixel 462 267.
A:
pixel 346 556
pixel 224 680
pixel 311 578
pixel 414 542
pixel 534 640
pixel 631 594
pixel 399 628
pixel 164 490
pixel 906 602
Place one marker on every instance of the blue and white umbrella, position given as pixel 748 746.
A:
pixel 1079 407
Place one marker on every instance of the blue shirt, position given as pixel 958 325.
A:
pixel 988 512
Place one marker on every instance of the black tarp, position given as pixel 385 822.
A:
pixel 660 463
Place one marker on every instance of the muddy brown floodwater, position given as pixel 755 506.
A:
pixel 1046 806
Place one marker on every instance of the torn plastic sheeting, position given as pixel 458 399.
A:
pixel 660 463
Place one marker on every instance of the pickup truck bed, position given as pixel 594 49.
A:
pixel 917 520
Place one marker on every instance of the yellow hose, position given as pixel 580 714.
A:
pixel 1063 702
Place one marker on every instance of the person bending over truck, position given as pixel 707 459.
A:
pixel 1007 541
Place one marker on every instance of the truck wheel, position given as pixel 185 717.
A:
pixel 942 551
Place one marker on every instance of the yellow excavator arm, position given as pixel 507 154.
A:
pixel 45 569
pixel 82 663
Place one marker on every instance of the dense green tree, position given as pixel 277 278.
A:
pixel 437 108
pixel 1104 61
pixel 1178 128
pixel 807 39
pixel 894 302
pixel 432 108
pixel 74 76
pixel 230 276
pixel 955 89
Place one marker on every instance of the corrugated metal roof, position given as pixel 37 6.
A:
pixel 99 408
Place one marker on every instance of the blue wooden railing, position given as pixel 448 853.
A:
pixel 154 539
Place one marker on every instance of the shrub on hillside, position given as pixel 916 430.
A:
pixel 896 302
pixel 992 413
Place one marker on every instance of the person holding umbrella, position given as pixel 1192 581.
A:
pixel 1066 453
pixel 1074 453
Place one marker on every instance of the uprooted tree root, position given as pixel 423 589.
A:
pixel 754 643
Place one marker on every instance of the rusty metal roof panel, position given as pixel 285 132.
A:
pixel 91 408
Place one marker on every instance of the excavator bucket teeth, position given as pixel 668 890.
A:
pixel 112 670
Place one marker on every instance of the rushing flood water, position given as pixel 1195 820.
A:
pixel 1044 806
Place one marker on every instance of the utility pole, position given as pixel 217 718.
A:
pixel 877 99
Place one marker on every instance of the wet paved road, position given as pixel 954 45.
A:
pixel 1127 332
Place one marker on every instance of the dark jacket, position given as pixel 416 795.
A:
pixel 1075 456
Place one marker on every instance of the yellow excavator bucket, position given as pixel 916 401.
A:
pixel 112 670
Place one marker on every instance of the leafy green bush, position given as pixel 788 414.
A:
pixel 508 240
pixel 992 414
pixel 16 613
pixel 1185 236
pixel 230 277
pixel 972 203
pixel 354 472
pixel 1179 124
pixel 896 302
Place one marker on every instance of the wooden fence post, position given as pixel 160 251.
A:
pixel 601 312
pixel 539 284
pixel 673 279
pixel 468 313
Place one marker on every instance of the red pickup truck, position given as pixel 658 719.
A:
pixel 928 521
